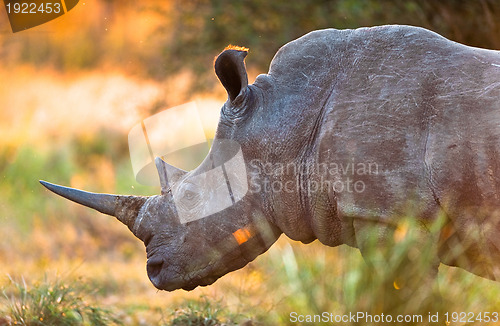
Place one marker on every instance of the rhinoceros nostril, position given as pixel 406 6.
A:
pixel 154 268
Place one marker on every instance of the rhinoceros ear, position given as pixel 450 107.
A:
pixel 230 68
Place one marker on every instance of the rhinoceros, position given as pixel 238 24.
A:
pixel 349 132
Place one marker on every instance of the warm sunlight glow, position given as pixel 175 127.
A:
pixel 236 47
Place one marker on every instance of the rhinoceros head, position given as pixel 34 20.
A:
pixel 205 223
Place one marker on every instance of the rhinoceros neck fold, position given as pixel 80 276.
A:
pixel 125 208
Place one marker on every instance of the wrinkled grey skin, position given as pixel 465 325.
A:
pixel 424 109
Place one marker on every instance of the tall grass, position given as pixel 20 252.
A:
pixel 316 279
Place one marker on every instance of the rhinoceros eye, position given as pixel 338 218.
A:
pixel 190 197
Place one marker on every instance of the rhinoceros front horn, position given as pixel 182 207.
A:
pixel 124 208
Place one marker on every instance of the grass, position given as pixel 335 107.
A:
pixel 52 304
pixel 204 311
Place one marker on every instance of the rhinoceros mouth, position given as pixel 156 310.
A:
pixel 169 278
pixel 172 284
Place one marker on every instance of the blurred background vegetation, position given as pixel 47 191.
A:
pixel 71 89
pixel 158 38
